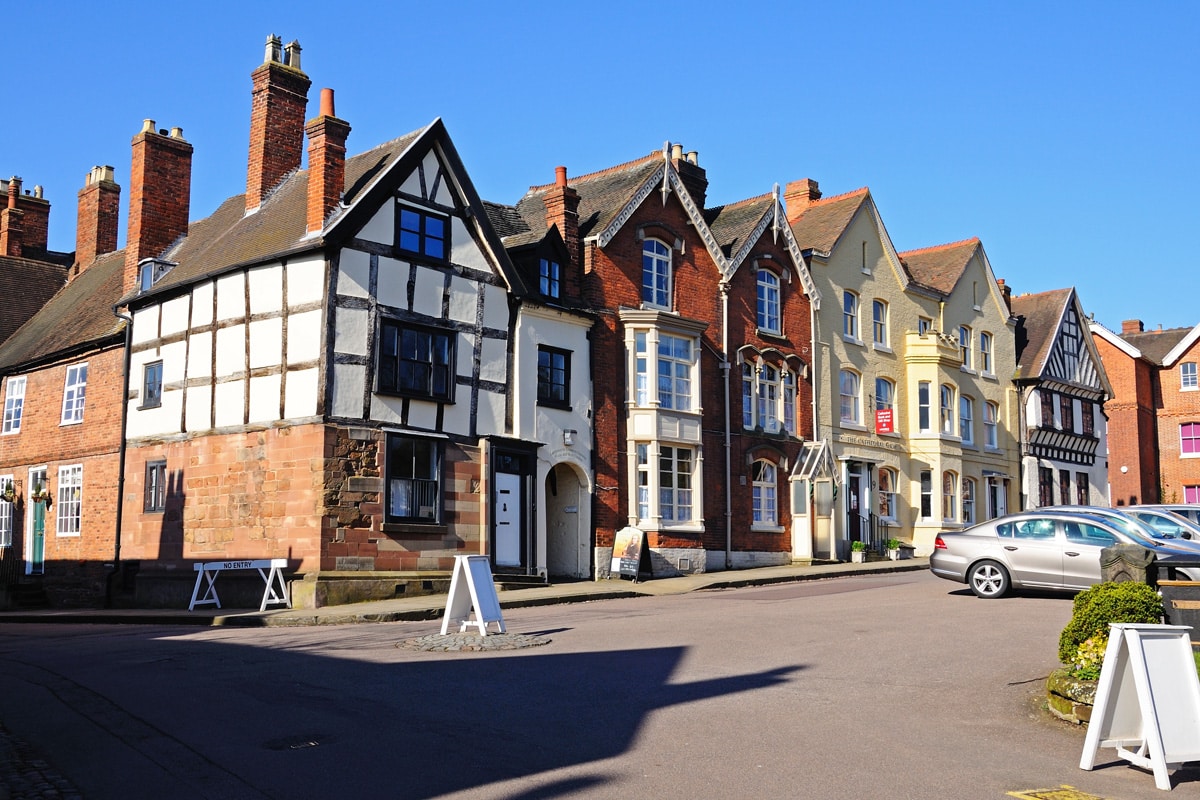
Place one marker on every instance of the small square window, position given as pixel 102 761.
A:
pixel 549 278
pixel 416 361
pixel 423 233
pixel 1187 375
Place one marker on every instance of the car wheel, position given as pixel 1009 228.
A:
pixel 988 579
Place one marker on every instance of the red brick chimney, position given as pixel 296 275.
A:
pixel 160 187
pixel 798 196
pixel 1005 292
pixel 562 212
pixel 326 162
pixel 12 229
pixel 694 178
pixel 1132 326
pixel 96 224
pixel 278 101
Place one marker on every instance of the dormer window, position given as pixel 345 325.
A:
pixel 656 274
pixel 150 271
pixel 423 233
pixel 549 278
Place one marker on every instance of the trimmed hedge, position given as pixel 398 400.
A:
pixel 1106 603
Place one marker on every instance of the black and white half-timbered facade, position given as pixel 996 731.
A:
pixel 1063 388
pixel 325 370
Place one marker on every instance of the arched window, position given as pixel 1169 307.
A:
pixel 947 409
pixel 768 399
pixel 789 402
pixel 966 419
pixel 768 301
pixel 990 437
pixel 765 500
pixel 879 323
pixel 747 395
pixel 964 345
pixel 885 397
pixel 985 353
pixel 850 315
pixel 968 501
pixel 850 397
pixel 656 274
pixel 949 495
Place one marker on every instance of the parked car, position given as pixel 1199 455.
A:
pixel 1044 548
pixel 1168 523
pixel 1188 511
pixel 1140 530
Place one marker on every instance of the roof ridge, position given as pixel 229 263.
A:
pixel 843 196
pixel 947 246
pixel 735 203
pixel 598 173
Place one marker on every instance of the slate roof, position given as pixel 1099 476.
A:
pixel 940 267
pixel 78 317
pixel 25 286
pixel 732 224
pixel 1038 319
pixel 1154 345
pixel 230 237
pixel 602 195
pixel 824 221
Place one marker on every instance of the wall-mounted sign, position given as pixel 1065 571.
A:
pixel 883 421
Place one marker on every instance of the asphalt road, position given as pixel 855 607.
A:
pixel 901 686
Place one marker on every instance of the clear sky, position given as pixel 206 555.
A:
pixel 1064 135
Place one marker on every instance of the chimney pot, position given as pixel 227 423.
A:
pixel 272 56
pixel 676 151
pixel 327 103
pixel 147 126
pixel 292 55
pixel 693 157
pixel 560 176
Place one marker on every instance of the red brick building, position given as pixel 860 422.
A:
pixel 700 362
pixel 1154 416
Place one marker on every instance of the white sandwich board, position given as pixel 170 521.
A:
pixel 472 588
pixel 1147 701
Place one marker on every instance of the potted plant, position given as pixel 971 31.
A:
pixel 40 494
pixel 893 549
pixel 7 492
pixel 858 552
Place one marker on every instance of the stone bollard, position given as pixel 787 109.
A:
pixel 1126 562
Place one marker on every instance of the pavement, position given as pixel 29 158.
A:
pixel 433 606
pixel 27 775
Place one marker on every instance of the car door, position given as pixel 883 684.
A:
pixel 1034 551
pixel 1081 555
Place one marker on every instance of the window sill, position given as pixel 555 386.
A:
pixel 67 422
pixel 767 528
pixel 770 334
pixel 852 340
pixel 554 404
pixel 415 528
pixel 880 348
pixel 849 425
pixel 968 370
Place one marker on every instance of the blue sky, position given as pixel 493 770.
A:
pixel 1065 136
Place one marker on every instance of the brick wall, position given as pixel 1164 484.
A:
pixel 1132 441
pixel 1177 408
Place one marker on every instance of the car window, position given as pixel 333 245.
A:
pixel 1034 529
pixel 1085 533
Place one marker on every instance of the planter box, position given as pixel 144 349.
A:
pixel 858 556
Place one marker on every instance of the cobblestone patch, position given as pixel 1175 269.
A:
pixel 468 642
pixel 25 776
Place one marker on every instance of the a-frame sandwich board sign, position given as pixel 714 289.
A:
pixel 471 587
pixel 1147 701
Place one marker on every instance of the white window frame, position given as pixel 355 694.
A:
pixel 68 512
pixel 656 266
pixel 768 398
pixel 985 352
pixel 949 496
pixel 850 321
pixel 964 345
pixel 886 491
pixel 925 407
pixel 7 515
pixel 677 393
pixel 74 394
pixel 926 487
pixel 879 323
pixel 1187 377
pixel 642 482
pixel 764 500
pixel 991 413
pixel 677 501
pixel 946 404
pixel 850 406
pixel 968 501
pixel 767 401
pixel 768 301
pixel 966 419
pixel 14 404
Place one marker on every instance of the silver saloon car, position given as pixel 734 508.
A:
pixel 1034 549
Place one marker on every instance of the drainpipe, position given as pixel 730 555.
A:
pixel 116 566
pixel 812 334
pixel 728 433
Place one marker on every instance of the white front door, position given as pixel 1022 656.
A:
pixel 508 520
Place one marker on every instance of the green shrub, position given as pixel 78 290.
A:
pixel 1100 605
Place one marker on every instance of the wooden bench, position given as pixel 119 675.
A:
pixel 268 568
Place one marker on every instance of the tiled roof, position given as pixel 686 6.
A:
pixel 80 315
pixel 1155 345
pixel 940 267
pixel 602 195
pixel 732 224
pixel 822 223
pixel 230 236
pixel 25 286
pixel 1038 316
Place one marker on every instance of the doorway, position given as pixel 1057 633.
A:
pixel 35 528
pixel 567 549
